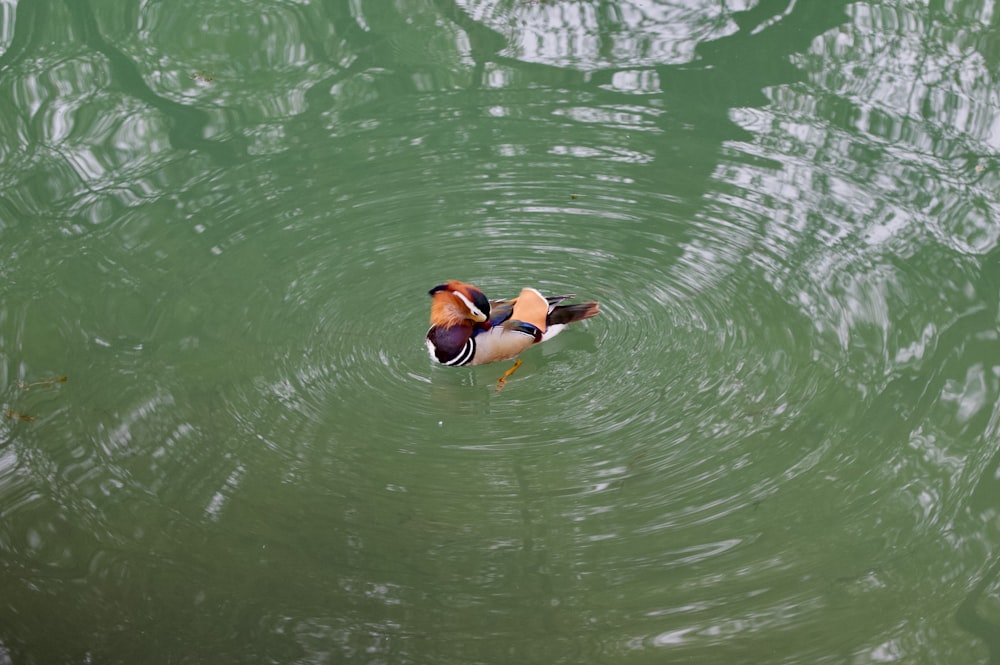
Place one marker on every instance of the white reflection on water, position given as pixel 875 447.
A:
pixel 588 37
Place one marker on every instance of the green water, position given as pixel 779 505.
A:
pixel 778 444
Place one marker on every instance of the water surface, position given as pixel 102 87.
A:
pixel 778 443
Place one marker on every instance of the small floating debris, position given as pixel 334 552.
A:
pixel 17 415
pixel 203 77
pixel 48 382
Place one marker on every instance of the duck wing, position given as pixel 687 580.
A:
pixel 500 311
pixel 503 308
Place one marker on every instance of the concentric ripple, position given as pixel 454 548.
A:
pixel 693 355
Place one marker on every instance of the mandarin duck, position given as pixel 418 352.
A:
pixel 468 329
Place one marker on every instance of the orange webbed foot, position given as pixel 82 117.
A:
pixel 502 381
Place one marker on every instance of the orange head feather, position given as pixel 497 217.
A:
pixel 457 303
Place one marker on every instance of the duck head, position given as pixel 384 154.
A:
pixel 457 303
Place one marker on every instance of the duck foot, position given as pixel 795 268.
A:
pixel 502 381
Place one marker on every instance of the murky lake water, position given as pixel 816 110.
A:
pixel 778 444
